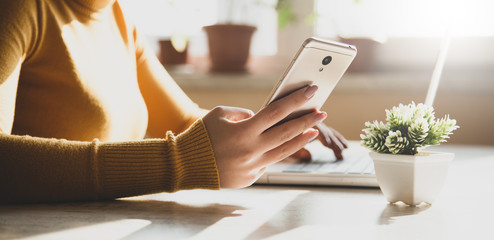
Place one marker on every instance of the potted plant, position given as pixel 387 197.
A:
pixel 229 46
pixel 174 42
pixel 404 171
pixel 229 41
pixel 173 51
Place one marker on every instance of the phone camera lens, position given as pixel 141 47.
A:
pixel 327 60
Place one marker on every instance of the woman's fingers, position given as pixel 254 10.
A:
pixel 282 133
pixel 341 138
pixel 332 139
pixel 302 155
pixel 244 143
pixel 279 109
pixel 288 148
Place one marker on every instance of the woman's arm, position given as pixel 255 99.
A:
pixel 169 108
pixel 34 169
pixel 18 29
pixel 51 170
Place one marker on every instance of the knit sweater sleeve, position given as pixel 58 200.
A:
pixel 17 40
pixel 52 170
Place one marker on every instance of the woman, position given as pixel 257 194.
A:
pixel 79 91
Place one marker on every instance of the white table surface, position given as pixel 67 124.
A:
pixel 463 210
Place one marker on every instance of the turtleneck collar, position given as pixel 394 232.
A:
pixel 95 5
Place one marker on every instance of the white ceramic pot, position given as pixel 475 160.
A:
pixel 412 179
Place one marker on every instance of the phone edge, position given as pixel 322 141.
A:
pixel 304 45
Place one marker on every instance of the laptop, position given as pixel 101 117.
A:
pixel 357 168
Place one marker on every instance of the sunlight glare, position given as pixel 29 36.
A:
pixel 403 18
pixel 108 230
pixel 259 212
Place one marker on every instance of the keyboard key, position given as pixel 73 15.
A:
pixel 311 167
pixel 342 167
pixel 303 167
pixel 369 169
pixel 358 167
pixel 295 167
pixel 355 162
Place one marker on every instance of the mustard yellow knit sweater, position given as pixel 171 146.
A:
pixel 79 91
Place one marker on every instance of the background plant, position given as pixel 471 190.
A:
pixel 408 129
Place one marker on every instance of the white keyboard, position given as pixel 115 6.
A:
pixel 356 161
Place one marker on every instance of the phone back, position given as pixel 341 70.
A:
pixel 318 62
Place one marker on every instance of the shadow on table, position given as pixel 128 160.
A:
pixel 177 220
pixel 320 211
pixel 394 210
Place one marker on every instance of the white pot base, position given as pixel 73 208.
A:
pixel 411 179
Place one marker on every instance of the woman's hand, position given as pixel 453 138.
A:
pixel 329 138
pixel 245 143
pixel 332 139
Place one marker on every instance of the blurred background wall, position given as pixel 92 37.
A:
pixel 398 43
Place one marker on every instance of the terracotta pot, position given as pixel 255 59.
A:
pixel 229 46
pixel 170 56
pixel 412 179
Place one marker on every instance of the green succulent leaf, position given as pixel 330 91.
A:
pixel 408 128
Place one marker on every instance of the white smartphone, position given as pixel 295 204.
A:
pixel 318 62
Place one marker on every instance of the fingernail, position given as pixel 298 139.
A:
pixel 321 116
pixel 310 91
pixel 313 135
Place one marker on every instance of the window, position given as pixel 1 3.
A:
pixel 413 30
pixel 161 19
pixel 404 18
